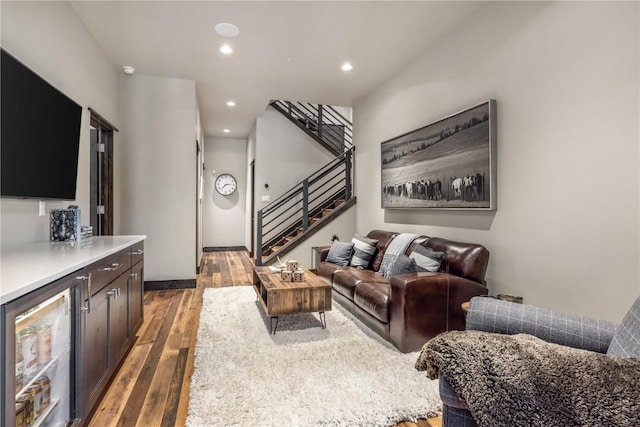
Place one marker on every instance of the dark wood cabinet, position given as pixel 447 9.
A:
pixel 94 349
pixel 118 341
pixel 109 319
pixel 136 294
pixel 89 296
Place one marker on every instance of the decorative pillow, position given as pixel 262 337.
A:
pixel 626 340
pixel 402 265
pixel 363 251
pixel 426 259
pixel 340 253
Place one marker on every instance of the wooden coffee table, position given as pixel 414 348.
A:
pixel 279 298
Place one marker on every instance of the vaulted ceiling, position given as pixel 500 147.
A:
pixel 285 50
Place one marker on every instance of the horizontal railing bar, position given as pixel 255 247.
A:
pixel 292 208
pixel 283 199
pixel 325 173
pixel 278 225
pixel 333 110
pixel 331 182
pixel 340 172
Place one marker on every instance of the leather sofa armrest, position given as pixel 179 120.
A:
pixel 321 253
pixel 422 305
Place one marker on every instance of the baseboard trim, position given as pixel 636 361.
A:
pixel 163 285
pixel 224 248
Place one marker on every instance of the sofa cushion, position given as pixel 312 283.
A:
pixel 347 279
pixel 426 259
pixel 374 299
pixel 383 238
pixel 626 340
pixel 340 253
pixel 363 251
pixel 402 265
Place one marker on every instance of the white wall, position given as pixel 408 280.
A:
pixel 49 38
pixel 566 79
pixel 158 135
pixel 285 155
pixel 224 216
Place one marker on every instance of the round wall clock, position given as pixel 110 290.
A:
pixel 226 184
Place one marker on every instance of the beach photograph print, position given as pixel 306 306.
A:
pixel 449 164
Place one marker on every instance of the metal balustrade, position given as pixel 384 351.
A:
pixel 323 122
pixel 304 204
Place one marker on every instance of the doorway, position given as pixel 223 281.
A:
pixel 101 165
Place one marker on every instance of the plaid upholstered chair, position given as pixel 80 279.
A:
pixel 578 332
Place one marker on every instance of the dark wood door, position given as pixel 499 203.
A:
pixel 101 175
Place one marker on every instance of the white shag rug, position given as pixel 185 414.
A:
pixel 303 375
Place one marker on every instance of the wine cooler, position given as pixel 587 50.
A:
pixel 38 375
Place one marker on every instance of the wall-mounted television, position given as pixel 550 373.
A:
pixel 39 135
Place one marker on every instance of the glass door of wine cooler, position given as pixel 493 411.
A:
pixel 39 365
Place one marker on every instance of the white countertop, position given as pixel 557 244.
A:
pixel 26 268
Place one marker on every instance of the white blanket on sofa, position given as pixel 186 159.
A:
pixel 397 247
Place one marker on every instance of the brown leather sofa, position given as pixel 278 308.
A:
pixel 410 309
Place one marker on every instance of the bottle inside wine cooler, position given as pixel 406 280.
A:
pixel 43 360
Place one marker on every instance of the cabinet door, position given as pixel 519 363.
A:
pixel 118 319
pixel 95 331
pixel 136 295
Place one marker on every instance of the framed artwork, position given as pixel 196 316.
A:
pixel 448 164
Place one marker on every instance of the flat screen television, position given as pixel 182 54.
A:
pixel 39 135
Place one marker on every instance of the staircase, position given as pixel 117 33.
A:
pixel 318 199
pixel 322 122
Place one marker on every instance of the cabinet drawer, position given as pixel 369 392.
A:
pixel 106 270
pixel 137 253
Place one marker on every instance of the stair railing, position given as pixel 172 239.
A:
pixel 324 122
pixel 295 209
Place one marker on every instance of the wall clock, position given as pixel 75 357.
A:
pixel 226 184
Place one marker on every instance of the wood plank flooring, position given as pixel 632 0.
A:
pixel 152 386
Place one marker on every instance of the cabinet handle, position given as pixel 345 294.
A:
pixel 112 293
pixel 138 252
pixel 113 267
pixel 86 309
pixel 134 275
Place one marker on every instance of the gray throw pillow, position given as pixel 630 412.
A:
pixel 340 253
pixel 403 265
pixel 363 251
pixel 626 340
pixel 426 259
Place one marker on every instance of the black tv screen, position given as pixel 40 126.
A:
pixel 39 135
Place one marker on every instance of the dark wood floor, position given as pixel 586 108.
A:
pixel 152 385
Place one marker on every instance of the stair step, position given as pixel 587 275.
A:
pixel 326 212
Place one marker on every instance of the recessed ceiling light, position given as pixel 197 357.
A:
pixel 128 69
pixel 347 66
pixel 226 130
pixel 231 104
pixel 227 30
pixel 226 49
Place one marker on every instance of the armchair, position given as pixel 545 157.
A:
pixel 518 365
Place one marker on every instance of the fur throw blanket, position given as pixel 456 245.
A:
pixel 520 380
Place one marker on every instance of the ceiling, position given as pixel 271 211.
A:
pixel 289 50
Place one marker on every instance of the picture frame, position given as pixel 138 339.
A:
pixel 448 164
